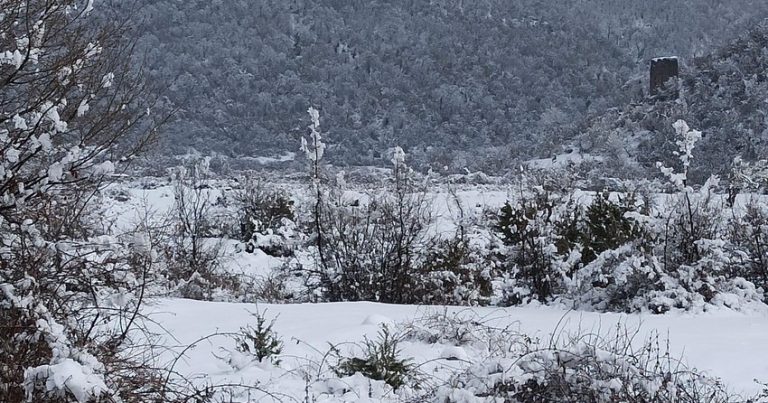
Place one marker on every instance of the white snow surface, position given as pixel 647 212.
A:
pixel 725 344
pixel 69 375
pixel 288 156
pixel 562 161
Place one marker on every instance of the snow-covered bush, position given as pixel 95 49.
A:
pixel 443 327
pixel 682 257
pixel 750 233
pixel 749 177
pixel 267 218
pixel 692 215
pixel 455 272
pixel 70 296
pixel 381 249
pixel 466 330
pixel 275 287
pixel 540 232
pixel 372 251
pixel 614 255
pixel 367 251
pixel 699 263
pixel 617 280
pixel 584 368
pixel 610 241
pixel 593 369
pixel 629 279
pixel 606 226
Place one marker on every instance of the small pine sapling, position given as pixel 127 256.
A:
pixel 381 361
pixel 260 341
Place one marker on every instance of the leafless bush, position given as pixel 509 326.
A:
pixel 750 232
pixel 273 288
pixel 192 253
pixel 467 328
pixel 69 96
pixel 593 368
pixel 587 367
pixel 372 251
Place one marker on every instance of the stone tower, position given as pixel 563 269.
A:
pixel 662 70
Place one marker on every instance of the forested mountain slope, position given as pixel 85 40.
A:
pixel 722 94
pixel 444 79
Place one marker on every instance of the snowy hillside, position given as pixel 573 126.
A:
pixel 456 83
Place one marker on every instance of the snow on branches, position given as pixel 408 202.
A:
pixel 67 97
pixel 314 148
pixel 686 142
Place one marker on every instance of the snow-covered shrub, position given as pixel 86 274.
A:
pixel 443 327
pixel 465 329
pixel 551 235
pixel 541 233
pixel 593 369
pixel 70 297
pixel 712 280
pixel 606 226
pixel 749 232
pixel 585 368
pixel 274 287
pixel 380 360
pixel 367 251
pixel 629 279
pixel 692 215
pixel 612 269
pixel 699 265
pixel 764 395
pixel 681 259
pixel 618 280
pixel 746 177
pixel 372 251
pixel 267 218
pixel 455 272
pixel 381 249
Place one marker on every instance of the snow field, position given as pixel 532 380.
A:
pixel 724 344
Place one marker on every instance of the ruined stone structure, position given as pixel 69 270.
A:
pixel 663 69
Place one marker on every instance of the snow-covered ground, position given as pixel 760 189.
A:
pixel 728 345
pixel 725 344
